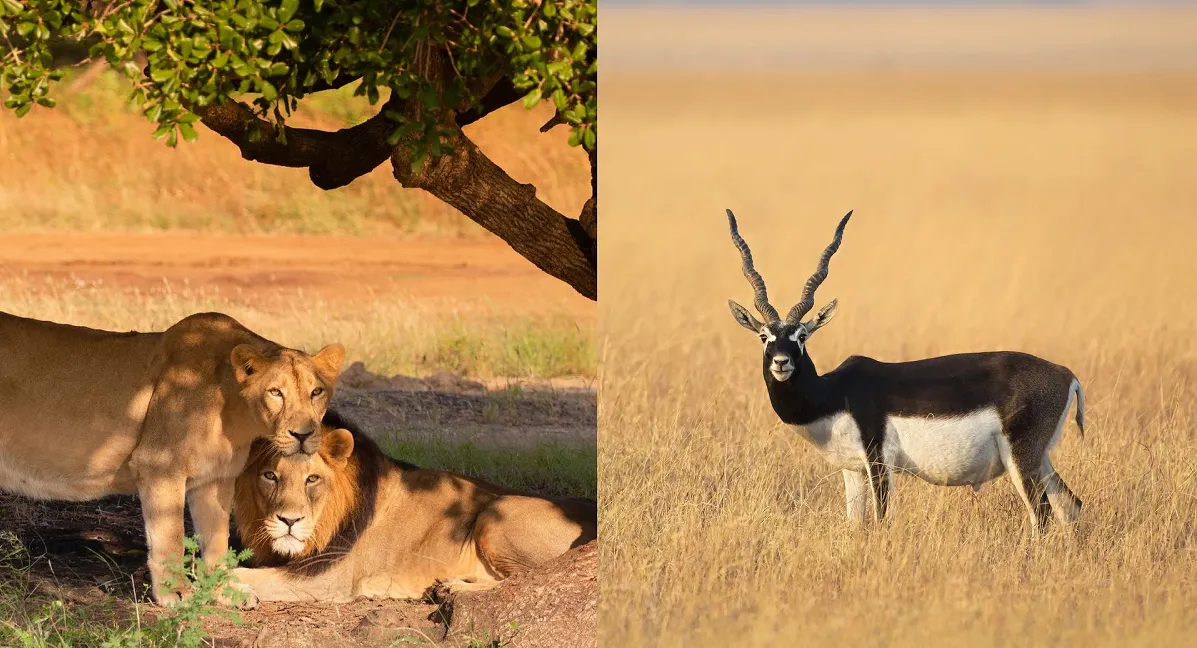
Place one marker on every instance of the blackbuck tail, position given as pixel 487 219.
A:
pixel 1079 394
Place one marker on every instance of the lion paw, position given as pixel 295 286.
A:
pixel 249 600
pixel 168 597
pixel 444 587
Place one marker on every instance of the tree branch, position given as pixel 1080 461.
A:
pixel 563 247
pixel 589 216
pixel 480 189
pixel 333 159
pixel 501 94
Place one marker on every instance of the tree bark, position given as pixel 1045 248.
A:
pixel 480 189
pixel 555 606
pixel 565 248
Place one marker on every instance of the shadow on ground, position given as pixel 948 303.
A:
pixel 93 553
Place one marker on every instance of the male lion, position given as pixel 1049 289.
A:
pixel 348 521
pixel 169 416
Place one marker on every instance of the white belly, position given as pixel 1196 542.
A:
pixel 954 451
pixel 837 439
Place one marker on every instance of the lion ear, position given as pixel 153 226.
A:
pixel 328 362
pixel 337 446
pixel 246 362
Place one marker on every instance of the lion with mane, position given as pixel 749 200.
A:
pixel 351 522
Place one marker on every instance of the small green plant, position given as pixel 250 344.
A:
pixel 210 594
pixel 56 624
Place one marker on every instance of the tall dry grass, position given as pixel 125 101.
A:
pixel 90 165
pixel 396 335
pixel 1049 214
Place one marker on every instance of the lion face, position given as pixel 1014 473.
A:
pixel 292 492
pixel 289 392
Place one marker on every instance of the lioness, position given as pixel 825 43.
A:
pixel 350 522
pixel 169 416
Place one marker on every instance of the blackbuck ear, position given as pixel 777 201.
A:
pixel 822 318
pixel 246 362
pixel 744 318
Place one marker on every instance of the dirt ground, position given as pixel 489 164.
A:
pixel 260 268
pixel 93 553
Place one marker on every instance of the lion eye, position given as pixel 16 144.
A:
pixel 317 391
pixel 276 392
pixel 312 479
pixel 269 476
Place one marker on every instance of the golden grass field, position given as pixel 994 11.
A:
pixel 90 165
pixel 1050 213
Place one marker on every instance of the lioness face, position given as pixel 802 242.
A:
pixel 292 491
pixel 289 392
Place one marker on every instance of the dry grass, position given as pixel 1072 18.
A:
pixel 91 165
pixel 391 336
pixel 1049 214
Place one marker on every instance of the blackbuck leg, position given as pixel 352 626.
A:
pixel 1023 458
pixel 1065 505
pixel 857 495
pixel 880 479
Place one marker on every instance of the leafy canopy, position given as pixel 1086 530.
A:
pixel 202 53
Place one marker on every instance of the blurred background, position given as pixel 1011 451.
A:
pixel 107 227
pixel 1023 179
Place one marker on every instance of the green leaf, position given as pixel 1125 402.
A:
pixel 294 25
pixel 162 131
pixel 161 75
pixel 288 9
pixel 269 92
pixel 188 131
pixel 25 28
pixel 319 5
pixel 24 109
pixel 589 138
pixel 575 137
pixel 417 161
pixel 531 42
pixel 532 98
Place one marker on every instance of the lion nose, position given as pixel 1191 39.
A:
pixel 300 436
pixel 290 522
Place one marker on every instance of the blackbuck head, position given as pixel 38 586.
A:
pixel 784 340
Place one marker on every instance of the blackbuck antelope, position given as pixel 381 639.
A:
pixel 953 420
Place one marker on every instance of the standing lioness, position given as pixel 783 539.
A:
pixel 169 416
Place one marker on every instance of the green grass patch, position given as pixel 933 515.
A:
pixel 547 469
pixel 32 620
